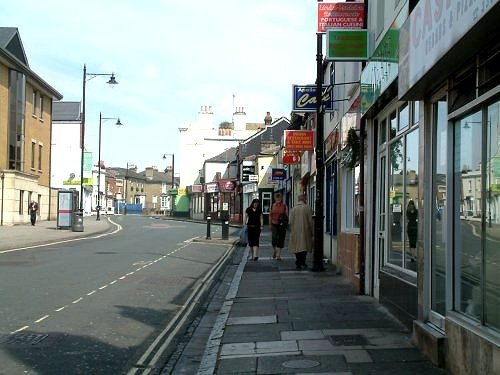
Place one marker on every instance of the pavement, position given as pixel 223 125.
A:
pixel 265 317
pixel 24 235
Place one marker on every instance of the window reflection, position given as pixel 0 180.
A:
pixel 468 149
pixel 438 252
pixel 492 240
pixel 396 202
pixel 411 200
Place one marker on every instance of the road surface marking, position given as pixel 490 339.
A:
pixel 61 308
pixel 92 292
pixel 42 319
pixel 20 329
pixel 77 300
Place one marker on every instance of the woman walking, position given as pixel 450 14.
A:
pixel 255 223
pixel 278 225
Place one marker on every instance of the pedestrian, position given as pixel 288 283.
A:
pixel 255 223
pixel 301 232
pixel 412 228
pixel 33 211
pixel 278 222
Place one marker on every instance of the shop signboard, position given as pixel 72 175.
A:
pixel 278 174
pixel 291 157
pixel 346 15
pixel 299 140
pixel 347 45
pixel 432 30
pixel 304 98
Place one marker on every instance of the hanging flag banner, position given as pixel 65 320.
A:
pixel 304 98
pixel 291 157
pixel 340 16
pixel 299 140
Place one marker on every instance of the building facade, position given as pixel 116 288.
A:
pixel 25 131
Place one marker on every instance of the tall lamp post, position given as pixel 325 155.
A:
pixel 118 123
pixel 88 77
pixel 318 204
pixel 173 181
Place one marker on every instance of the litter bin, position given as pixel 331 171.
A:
pixel 77 223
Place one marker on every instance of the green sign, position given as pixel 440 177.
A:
pixel 347 45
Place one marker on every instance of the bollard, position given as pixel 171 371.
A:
pixel 225 230
pixel 209 219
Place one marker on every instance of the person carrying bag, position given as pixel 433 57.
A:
pixel 278 222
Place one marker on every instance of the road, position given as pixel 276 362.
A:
pixel 102 306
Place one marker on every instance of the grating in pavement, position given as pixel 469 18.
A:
pixel 348 340
pixel 22 338
pixel 300 363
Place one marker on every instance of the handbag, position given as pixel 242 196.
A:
pixel 283 219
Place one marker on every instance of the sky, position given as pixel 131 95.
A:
pixel 170 59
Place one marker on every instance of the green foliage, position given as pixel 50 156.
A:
pixel 352 152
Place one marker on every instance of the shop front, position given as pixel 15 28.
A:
pixel 448 71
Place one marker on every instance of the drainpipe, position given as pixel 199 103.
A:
pixel 2 176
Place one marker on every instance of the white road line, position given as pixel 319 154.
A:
pixel 122 277
pixel 130 273
pixel 61 308
pixel 20 329
pixel 92 292
pixel 112 282
pixel 102 287
pixel 42 319
pixel 77 300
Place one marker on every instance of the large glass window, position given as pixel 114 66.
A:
pixel 477 223
pixel 403 191
pixel 439 194
pixel 411 200
pixel 17 104
pixel 351 202
pixel 396 203
pixel 492 237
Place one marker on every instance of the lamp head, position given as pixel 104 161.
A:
pixel 112 80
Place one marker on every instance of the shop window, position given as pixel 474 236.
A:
pixel 416 113
pixel 477 218
pixel 404 117
pixel 351 201
pixel 438 211
pixel 402 193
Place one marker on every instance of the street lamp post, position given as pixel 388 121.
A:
pixel 318 204
pixel 111 81
pixel 118 123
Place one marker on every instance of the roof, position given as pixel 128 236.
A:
pixel 224 157
pixel 10 41
pixel 12 52
pixel 273 132
pixel 66 111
